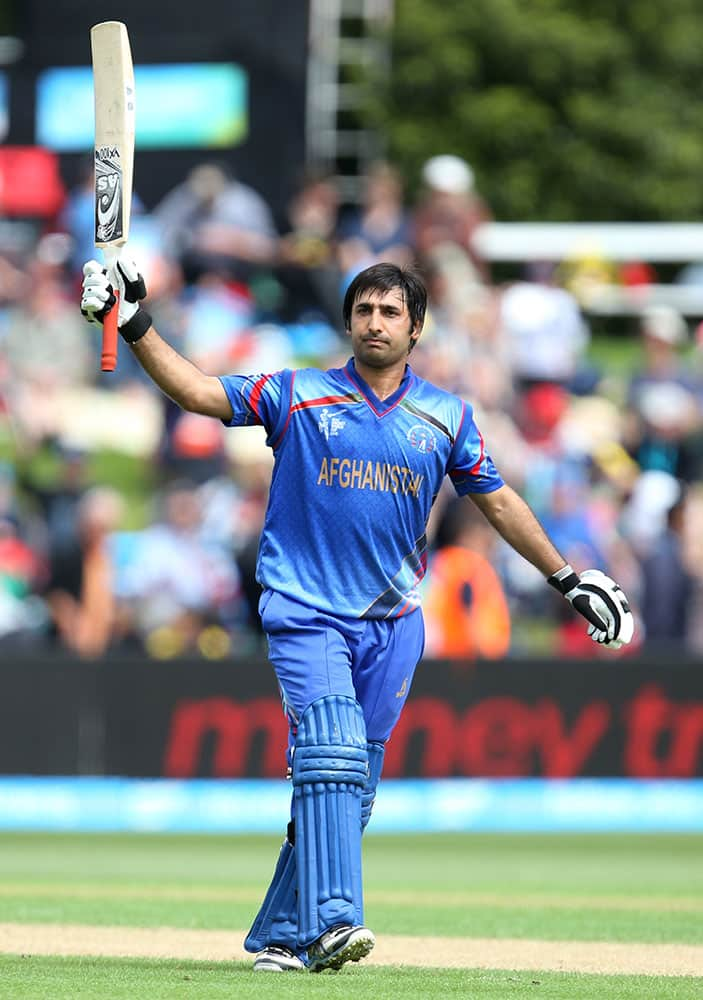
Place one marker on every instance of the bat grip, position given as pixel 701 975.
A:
pixel 108 359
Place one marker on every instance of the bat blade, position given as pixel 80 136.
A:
pixel 113 83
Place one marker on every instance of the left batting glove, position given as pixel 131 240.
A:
pixel 600 601
pixel 98 296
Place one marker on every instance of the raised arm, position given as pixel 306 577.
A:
pixel 177 377
pixel 593 594
pixel 181 379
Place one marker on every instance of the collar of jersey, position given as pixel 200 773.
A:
pixel 379 406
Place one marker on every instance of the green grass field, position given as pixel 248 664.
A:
pixel 600 893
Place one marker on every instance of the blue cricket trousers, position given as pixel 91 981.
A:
pixel 315 654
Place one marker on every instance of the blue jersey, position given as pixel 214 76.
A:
pixel 353 483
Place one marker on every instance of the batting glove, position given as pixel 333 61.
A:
pixel 98 296
pixel 600 601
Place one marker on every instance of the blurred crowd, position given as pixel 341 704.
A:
pixel 127 525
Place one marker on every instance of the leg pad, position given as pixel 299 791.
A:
pixel 330 771
pixel 277 920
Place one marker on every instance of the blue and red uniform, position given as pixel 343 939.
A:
pixel 342 552
pixel 353 483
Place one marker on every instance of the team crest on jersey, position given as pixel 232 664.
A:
pixel 329 425
pixel 422 438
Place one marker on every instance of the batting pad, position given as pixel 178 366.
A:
pixel 376 752
pixel 277 920
pixel 330 769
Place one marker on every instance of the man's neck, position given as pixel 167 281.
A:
pixel 383 381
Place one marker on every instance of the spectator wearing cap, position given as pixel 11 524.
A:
pixel 449 210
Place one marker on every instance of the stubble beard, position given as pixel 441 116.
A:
pixel 381 360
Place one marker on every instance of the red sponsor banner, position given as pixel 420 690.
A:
pixel 499 737
pixel 234 727
pixel 199 719
pixel 649 734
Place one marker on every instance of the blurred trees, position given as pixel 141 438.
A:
pixel 566 109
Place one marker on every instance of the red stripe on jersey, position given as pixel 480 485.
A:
pixel 256 394
pixel 290 410
pixel 404 608
pixel 474 470
pixel 322 401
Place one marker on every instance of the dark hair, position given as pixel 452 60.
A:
pixel 384 278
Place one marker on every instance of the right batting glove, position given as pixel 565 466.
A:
pixel 600 601
pixel 98 296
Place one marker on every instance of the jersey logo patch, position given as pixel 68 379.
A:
pixel 422 438
pixel 329 425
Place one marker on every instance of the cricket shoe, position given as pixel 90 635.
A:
pixel 278 958
pixel 338 945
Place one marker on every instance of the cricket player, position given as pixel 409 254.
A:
pixel 360 453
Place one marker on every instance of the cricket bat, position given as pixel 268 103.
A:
pixel 113 84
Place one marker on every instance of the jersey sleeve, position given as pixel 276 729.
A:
pixel 470 467
pixel 258 399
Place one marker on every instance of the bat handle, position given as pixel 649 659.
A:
pixel 108 360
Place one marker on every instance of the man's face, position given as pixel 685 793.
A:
pixel 381 330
